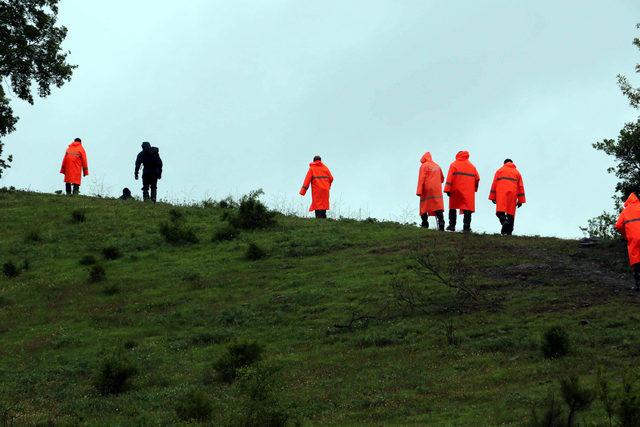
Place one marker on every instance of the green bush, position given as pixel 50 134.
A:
pixel 175 232
pixel 10 269
pixel 238 355
pixel 254 252
pixel 97 274
pixel 88 260
pixel 114 375
pixel 110 290
pixel 78 216
pixel 577 397
pixel 251 213
pixel 111 253
pixel 195 405
pixel 226 232
pixel 260 404
pixel 555 342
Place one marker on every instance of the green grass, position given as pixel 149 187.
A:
pixel 175 309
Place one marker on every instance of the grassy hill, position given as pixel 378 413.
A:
pixel 354 328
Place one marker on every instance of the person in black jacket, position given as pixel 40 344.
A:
pixel 152 172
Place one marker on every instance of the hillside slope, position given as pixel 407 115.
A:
pixel 174 309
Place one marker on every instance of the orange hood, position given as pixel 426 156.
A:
pixel 632 199
pixel 426 157
pixel 462 155
pixel 316 163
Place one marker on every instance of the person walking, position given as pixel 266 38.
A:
pixel 149 157
pixel 628 225
pixel 320 179
pixel 507 193
pixel 461 187
pixel 74 166
pixel 430 179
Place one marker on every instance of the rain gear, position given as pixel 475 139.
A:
pixel 462 183
pixel 628 225
pixel 74 163
pixel 320 179
pixel 507 189
pixel 430 179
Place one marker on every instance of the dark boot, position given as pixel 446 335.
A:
pixel 321 214
pixel 145 192
pixel 67 187
pixel 453 217
pixel 503 222
pixel 440 220
pixel 510 224
pixel 154 194
pixel 467 222
pixel 425 220
pixel 76 189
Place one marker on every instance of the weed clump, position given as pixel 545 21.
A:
pixel 577 397
pixel 175 232
pixel 226 232
pixel 111 290
pixel 254 252
pixel 111 252
pixel 114 375
pixel 10 270
pixel 555 343
pixel 260 405
pixel 251 213
pixel 78 216
pixel 97 274
pixel 237 356
pixel 194 406
pixel 88 260
pixel 33 236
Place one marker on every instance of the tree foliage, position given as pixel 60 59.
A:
pixel 30 55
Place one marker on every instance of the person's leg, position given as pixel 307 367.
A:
pixel 636 276
pixel 76 188
pixel 320 213
pixel 453 216
pixel 67 188
pixel 145 188
pixel 425 220
pixel 153 182
pixel 467 221
pixel 503 221
pixel 440 220
pixel 510 224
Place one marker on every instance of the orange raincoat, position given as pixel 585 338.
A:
pixel 320 179
pixel 507 189
pixel 628 225
pixel 462 183
pixel 430 179
pixel 74 163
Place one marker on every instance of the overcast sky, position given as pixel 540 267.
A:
pixel 240 95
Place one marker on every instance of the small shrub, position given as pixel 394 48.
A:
pixel 26 265
pixel 237 356
pixel 260 405
pixel 97 274
pixel 114 375
pixel 251 214
pixel 551 417
pixel 111 253
pixel 78 216
pixel 577 397
pixel 175 232
pixel 226 232
pixel 130 344
pixel 195 405
pixel 10 270
pixel 110 290
pixel 254 252
pixel 33 236
pixel 555 342
pixel 88 260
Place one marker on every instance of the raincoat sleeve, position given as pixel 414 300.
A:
pixel 522 198
pixel 306 183
pixel 330 177
pixel 492 193
pixel 62 166
pixel 477 180
pixel 441 176
pixel 85 164
pixel 421 177
pixel 449 183
pixel 620 225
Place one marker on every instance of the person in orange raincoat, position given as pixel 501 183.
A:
pixel 628 225
pixel 461 187
pixel 74 166
pixel 430 179
pixel 507 193
pixel 320 179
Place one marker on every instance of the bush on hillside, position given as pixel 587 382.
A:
pixel 111 252
pixel 97 274
pixel 88 260
pixel 10 270
pixel 260 405
pixel 78 216
pixel 111 290
pixel 552 415
pixel 175 232
pixel 577 397
pixel 33 236
pixel 251 213
pixel 114 374
pixel 555 342
pixel 254 252
pixel 237 356
pixel 194 406
pixel 225 232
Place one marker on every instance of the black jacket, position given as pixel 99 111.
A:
pixel 152 162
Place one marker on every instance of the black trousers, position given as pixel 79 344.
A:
pixel 507 221
pixel 439 220
pixel 321 213
pixel 149 182
pixel 76 188
pixel 453 218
